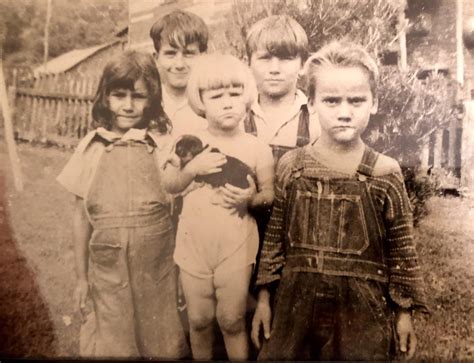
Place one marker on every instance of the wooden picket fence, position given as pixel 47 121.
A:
pixel 52 108
pixel 442 153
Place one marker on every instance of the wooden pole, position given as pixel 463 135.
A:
pixel 7 117
pixel 46 35
pixel 402 38
pixel 459 44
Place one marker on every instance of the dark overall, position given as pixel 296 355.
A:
pixel 332 299
pixel 262 216
pixel 132 273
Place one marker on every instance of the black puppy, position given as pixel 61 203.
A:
pixel 234 171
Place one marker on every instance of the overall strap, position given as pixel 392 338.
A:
pixel 298 165
pixel 369 159
pixel 249 124
pixel 296 172
pixel 302 136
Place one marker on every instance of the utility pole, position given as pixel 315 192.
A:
pixel 46 34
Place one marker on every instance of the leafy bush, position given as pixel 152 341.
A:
pixel 410 110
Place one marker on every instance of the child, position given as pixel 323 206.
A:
pixel 179 38
pixel 340 236
pixel 217 240
pixel 277 48
pixel 122 226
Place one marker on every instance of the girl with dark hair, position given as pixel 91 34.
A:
pixel 123 234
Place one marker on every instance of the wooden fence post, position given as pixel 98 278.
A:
pixel 9 137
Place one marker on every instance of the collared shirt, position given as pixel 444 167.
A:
pixel 78 173
pixel 283 131
pixel 183 118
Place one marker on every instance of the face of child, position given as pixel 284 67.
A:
pixel 343 102
pixel 275 77
pixel 224 107
pixel 128 106
pixel 174 64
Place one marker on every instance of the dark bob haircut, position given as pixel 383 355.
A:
pixel 123 72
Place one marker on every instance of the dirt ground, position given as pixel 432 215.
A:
pixel 37 267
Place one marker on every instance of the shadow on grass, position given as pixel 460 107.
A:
pixel 26 329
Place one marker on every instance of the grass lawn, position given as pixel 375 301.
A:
pixel 37 267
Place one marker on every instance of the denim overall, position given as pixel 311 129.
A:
pixel 333 225
pixel 131 270
pixel 333 289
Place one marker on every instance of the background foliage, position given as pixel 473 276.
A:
pixel 74 24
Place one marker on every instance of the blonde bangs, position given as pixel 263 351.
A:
pixel 214 71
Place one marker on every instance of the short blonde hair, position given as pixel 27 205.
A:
pixel 340 54
pixel 281 35
pixel 213 71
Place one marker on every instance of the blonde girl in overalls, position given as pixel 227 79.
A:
pixel 217 239
pixel 122 227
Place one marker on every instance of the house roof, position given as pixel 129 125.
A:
pixel 69 60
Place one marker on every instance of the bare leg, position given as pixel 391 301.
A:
pixel 199 293
pixel 231 293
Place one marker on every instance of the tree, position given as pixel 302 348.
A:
pixel 74 24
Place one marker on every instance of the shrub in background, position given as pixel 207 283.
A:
pixel 410 110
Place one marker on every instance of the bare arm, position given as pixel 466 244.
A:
pixel 253 197
pixel 405 333
pixel 82 231
pixel 176 179
pixel 265 195
pixel 262 317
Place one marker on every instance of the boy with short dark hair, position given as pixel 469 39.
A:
pixel 179 38
pixel 277 47
pixel 340 238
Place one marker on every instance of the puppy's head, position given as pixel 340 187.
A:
pixel 187 147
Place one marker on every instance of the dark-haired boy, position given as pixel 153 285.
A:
pixel 179 38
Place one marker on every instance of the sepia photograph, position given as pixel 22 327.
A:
pixel 278 180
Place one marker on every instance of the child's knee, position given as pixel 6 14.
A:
pixel 231 323
pixel 200 321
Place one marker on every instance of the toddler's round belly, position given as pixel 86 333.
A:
pixel 208 233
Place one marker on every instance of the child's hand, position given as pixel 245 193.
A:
pixel 262 317
pixel 234 197
pixel 406 334
pixel 206 162
pixel 80 297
